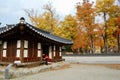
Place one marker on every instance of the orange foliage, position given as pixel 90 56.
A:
pixel 86 25
pixel 81 40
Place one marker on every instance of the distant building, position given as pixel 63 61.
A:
pixel 26 43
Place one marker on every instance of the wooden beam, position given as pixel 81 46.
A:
pixel 22 49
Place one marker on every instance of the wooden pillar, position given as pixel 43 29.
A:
pixel 54 51
pixel 21 50
pixel 60 51
pixel 50 52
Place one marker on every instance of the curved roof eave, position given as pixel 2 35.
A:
pixel 38 31
pixel 50 36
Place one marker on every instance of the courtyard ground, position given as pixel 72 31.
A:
pixel 76 71
pixel 93 59
pixel 75 68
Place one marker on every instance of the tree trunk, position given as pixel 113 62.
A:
pixel 91 44
pixel 105 43
pixel 105 35
pixel 118 43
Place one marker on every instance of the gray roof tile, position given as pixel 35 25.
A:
pixel 40 32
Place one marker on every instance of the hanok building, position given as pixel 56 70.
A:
pixel 27 43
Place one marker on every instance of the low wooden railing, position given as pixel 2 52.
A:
pixel 8 59
pixel 29 59
pixel 33 59
pixel 57 59
pixel 11 59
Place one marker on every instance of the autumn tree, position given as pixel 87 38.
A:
pixel 81 42
pixel 109 11
pixel 117 35
pixel 68 27
pixel 47 20
pixel 86 18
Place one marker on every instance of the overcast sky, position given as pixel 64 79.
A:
pixel 12 10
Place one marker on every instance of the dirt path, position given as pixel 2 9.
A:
pixel 77 72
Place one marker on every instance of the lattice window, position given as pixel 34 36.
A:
pixel 18 48
pixel 39 50
pixel 25 53
pixel 25 44
pixel 25 48
pixel 5 49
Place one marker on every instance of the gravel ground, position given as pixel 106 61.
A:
pixel 93 59
pixel 28 70
pixel 76 72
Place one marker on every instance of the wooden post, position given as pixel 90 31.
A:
pixel 50 52
pixel 54 51
pixel 60 51
pixel 21 50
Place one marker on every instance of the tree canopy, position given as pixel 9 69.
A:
pixel 83 29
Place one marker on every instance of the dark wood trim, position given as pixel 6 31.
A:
pixel 11 48
pixel 22 50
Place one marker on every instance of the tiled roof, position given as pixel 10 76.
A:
pixel 41 32
pixel 6 28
